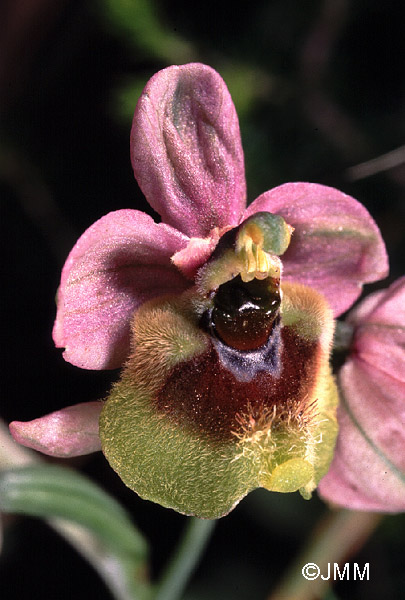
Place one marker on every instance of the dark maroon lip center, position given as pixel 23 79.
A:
pixel 206 396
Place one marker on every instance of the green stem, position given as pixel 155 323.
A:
pixel 116 573
pixel 185 559
pixel 339 535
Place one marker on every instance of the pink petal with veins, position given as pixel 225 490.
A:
pixel 368 468
pixel 119 262
pixel 72 431
pixel 186 150
pixel 336 246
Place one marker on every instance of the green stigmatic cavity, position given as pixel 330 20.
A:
pixel 197 422
pixel 269 231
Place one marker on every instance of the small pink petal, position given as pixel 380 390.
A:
pixel 336 246
pixel 72 431
pixel 196 253
pixel 121 261
pixel 368 469
pixel 186 150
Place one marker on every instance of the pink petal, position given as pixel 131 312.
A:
pixel 336 246
pixel 72 431
pixel 186 149
pixel 118 263
pixel 380 330
pixel 361 311
pixel 368 469
pixel 196 253
pixel 385 307
pixel 383 349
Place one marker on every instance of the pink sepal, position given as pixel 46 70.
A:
pixel 121 261
pixel 385 308
pixel 336 246
pixel 72 431
pixel 368 469
pixel 379 323
pixel 186 149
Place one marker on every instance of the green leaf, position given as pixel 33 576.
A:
pixel 50 491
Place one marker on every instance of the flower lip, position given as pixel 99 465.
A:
pixel 222 382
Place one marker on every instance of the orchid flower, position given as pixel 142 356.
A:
pixel 221 315
pixel 368 469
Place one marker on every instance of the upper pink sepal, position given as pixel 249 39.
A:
pixel 186 149
pixel 121 261
pixel 72 431
pixel 368 469
pixel 336 246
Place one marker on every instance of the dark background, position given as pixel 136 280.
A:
pixel 319 88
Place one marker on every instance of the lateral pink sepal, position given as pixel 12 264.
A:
pixel 336 246
pixel 121 261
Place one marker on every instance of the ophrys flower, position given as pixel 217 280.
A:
pixel 222 315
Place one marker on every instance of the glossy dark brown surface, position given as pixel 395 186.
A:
pixel 244 313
